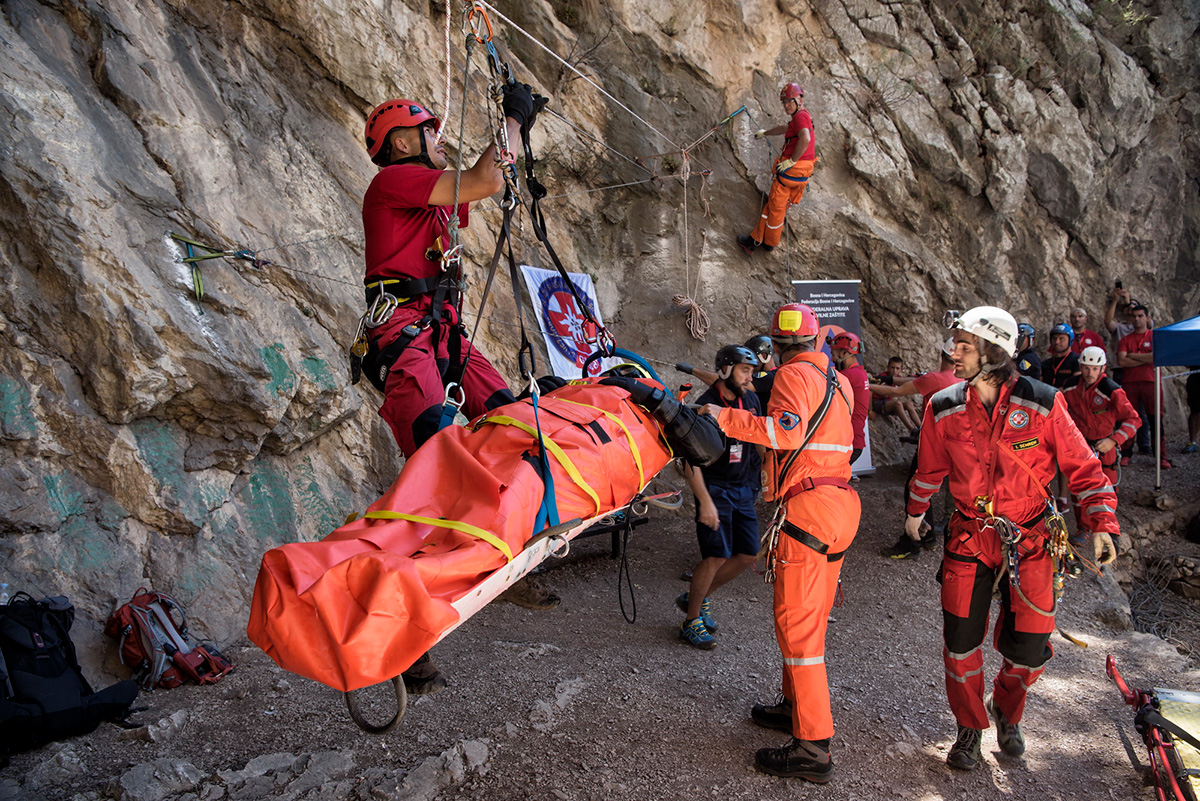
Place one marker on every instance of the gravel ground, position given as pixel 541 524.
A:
pixel 575 703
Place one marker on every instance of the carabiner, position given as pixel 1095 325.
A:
pixel 451 400
pixel 606 343
pixel 474 24
pixel 382 309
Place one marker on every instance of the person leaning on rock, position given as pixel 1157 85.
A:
pixel 791 170
pixel 822 518
pixel 1000 437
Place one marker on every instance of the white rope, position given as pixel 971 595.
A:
pixel 695 317
pixel 446 105
pixel 569 66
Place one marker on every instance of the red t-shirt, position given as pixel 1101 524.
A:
pixel 859 379
pixel 400 225
pixel 929 384
pixel 1137 343
pixel 800 121
pixel 1086 339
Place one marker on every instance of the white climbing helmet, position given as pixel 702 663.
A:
pixel 987 322
pixel 1093 357
pixel 948 346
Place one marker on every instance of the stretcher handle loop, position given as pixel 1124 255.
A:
pixel 554 531
pixel 381 728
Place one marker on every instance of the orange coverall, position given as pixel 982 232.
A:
pixel 788 186
pixel 822 521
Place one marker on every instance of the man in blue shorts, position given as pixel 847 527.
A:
pixel 726 523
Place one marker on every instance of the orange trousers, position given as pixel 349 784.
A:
pixel 806 584
pixel 786 189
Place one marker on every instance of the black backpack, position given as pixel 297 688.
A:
pixel 43 694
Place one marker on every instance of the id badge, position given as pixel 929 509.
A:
pixel 735 453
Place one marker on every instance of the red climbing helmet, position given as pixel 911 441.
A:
pixel 790 91
pixel 394 114
pixel 848 342
pixel 794 322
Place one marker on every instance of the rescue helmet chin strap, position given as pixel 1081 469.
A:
pixel 423 158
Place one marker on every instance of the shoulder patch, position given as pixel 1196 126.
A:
pixel 788 421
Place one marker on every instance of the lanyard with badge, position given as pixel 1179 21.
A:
pixel 735 447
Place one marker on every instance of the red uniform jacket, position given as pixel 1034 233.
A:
pixel 1102 410
pixel 1030 423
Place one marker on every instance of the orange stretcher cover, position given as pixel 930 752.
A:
pixel 360 606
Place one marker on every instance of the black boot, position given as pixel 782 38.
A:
pixel 776 716
pixel 966 753
pixel 423 678
pixel 747 244
pixel 799 759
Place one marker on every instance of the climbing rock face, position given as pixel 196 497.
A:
pixel 165 422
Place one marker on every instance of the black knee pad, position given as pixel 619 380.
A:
pixel 426 424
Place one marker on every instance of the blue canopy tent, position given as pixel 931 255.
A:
pixel 1177 344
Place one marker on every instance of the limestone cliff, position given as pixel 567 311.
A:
pixel 1022 153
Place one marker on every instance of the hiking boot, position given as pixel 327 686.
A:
pixel 767 248
pixel 775 716
pixel 747 244
pixel 905 548
pixel 695 633
pixel 1125 461
pixel 799 759
pixel 1012 742
pixel 706 615
pixel 525 593
pixel 423 678
pixel 965 754
pixel 1165 464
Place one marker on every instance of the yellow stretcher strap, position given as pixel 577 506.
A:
pixel 453 525
pixel 633 448
pixel 556 451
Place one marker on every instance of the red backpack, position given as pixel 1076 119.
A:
pixel 157 647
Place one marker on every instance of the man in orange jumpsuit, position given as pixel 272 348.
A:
pixel 792 170
pixel 1107 421
pixel 1001 437
pixel 808 417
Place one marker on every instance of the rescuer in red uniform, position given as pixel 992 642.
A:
pixel 1104 416
pixel 1000 437
pixel 845 349
pixel 811 405
pixel 407 211
pixel 791 170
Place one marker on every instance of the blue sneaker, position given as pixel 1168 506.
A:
pixel 706 615
pixel 1190 448
pixel 695 633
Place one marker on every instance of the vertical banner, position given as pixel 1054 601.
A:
pixel 836 305
pixel 562 322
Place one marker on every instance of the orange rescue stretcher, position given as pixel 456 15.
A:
pixel 454 531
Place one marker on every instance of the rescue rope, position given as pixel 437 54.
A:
pixel 694 315
pixel 573 69
pixel 446 105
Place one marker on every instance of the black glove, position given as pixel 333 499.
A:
pixel 697 439
pixel 644 395
pixel 539 103
pixel 518 103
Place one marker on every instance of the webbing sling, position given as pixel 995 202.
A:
pixel 633 448
pixel 453 525
pixel 555 450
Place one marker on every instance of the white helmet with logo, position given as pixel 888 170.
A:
pixel 1093 357
pixel 987 322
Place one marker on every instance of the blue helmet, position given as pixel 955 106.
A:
pixel 1025 330
pixel 1063 328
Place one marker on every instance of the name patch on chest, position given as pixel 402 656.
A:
pixel 1025 445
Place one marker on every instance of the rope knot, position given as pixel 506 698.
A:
pixel 695 316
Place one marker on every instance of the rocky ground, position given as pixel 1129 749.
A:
pixel 575 703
